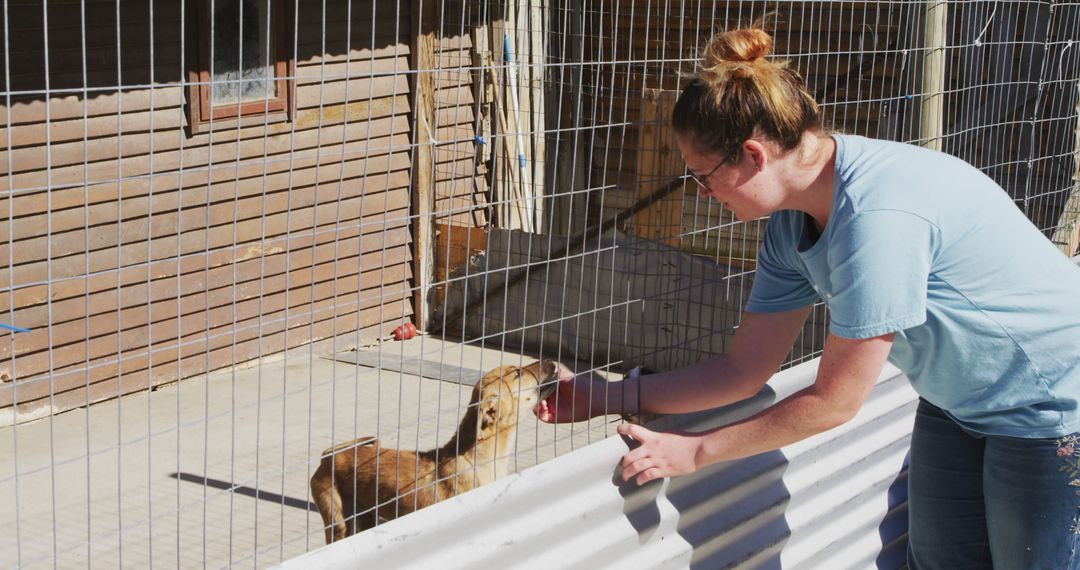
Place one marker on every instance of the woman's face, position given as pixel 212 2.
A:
pixel 739 186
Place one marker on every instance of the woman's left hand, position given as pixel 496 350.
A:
pixel 660 454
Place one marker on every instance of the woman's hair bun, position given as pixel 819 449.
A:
pixel 741 45
pixel 734 54
pixel 739 92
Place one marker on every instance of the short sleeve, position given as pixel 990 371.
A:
pixel 778 284
pixel 880 268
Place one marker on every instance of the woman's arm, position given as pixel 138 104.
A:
pixel 762 342
pixel 847 373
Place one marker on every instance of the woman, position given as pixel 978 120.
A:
pixel 922 261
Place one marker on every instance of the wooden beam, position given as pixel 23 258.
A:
pixel 657 163
pixel 425 37
pixel 1067 232
pixel 535 108
pixel 933 82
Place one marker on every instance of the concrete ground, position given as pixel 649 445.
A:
pixel 213 471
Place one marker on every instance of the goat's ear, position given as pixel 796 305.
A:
pixel 489 412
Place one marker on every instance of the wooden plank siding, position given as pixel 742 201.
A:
pixel 460 200
pixel 142 253
pixel 459 195
pixel 460 176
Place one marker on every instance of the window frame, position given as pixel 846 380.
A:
pixel 276 109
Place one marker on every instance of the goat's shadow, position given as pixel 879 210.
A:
pixel 252 492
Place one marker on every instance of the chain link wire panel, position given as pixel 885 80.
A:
pixel 214 209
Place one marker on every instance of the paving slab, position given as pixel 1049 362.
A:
pixel 213 471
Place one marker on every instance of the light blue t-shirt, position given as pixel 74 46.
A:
pixel 985 309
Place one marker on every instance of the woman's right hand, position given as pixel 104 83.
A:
pixel 576 399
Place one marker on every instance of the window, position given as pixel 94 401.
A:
pixel 242 65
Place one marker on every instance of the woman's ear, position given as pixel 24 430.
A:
pixel 757 152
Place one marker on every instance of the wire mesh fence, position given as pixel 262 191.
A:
pixel 219 215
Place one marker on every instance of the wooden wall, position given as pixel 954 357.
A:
pixel 1011 102
pixel 141 254
pixel 459 175
pixel 850 54
pixel 1007 63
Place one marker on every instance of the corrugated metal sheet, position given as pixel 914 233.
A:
pixel 836 500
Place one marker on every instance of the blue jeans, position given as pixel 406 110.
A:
pixel 990 501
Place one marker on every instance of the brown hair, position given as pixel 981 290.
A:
pixel 737 92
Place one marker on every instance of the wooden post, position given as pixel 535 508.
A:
pixel 535 95
pixel 933 81
pixel 568 167
pixel 425 22
pixel 483 90
pixel 657 163
pixel 1067 233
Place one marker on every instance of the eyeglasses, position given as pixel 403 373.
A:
pixel 701 179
